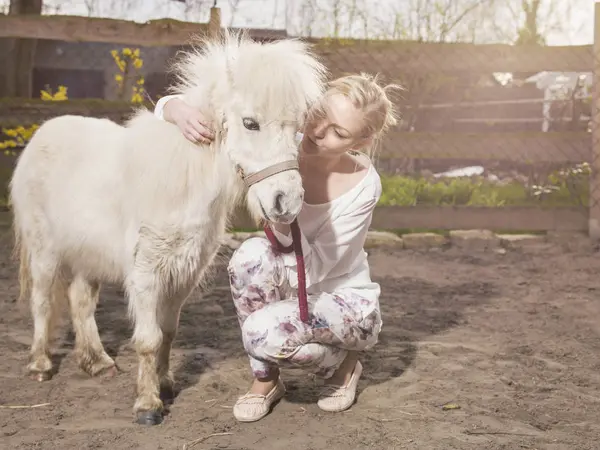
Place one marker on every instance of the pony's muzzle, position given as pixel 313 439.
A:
pixel 276 191
pixel 285 207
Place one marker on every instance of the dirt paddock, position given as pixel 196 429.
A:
pixel 513 340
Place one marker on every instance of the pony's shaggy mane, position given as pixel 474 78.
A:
pixel 198 73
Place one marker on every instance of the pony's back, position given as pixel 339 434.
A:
pixel 65 157
pixel 62 189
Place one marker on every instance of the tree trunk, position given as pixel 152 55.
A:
pixel 21 53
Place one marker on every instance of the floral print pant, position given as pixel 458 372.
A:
pixel 268 313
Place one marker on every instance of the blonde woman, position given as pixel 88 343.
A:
pixel 342 188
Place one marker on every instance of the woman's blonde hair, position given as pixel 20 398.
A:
pixel 367 95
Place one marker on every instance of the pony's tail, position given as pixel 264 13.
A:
pixel 20 251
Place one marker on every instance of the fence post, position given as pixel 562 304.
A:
pixel 594 199
pixel 214 23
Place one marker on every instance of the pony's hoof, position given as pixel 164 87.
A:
pixel 149 417
pixel 40 376
pixel 108 372
pixel 98 366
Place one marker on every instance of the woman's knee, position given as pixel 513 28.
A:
pixel 371 327
pixel 268 334
pixel 254 258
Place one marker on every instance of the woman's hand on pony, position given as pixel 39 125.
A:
pixel 190 121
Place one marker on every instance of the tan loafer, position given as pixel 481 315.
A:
pixel 253 407
pixel 340 398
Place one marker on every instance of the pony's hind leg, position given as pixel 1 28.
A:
pixel 83 298
pixel 43 269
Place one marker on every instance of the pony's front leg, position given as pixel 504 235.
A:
pixel 147 339
pixel 168 316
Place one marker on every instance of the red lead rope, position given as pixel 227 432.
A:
pixel 296 246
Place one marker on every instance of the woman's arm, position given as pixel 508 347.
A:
pixel 190 121
pixel 159 108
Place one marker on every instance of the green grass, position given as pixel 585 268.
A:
pixel 409 191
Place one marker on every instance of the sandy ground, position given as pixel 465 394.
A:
pixel 512 339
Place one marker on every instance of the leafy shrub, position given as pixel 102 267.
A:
pixel 568 187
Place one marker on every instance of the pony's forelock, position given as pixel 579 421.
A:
pixel 276 67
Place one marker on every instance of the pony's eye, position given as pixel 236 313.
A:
pixel 250 124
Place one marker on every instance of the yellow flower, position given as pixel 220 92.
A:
pixel 136 98
pixel 61 94
pixel 138 63
pixel 114 53
pixel 119 78
pixel 140 81
pixel 136 53
pixel 127 51
pixel 21 135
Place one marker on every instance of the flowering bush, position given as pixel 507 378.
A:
pixel 128 62
pixel 19 136
pixel 566 187
pixel 60 95
pixel 572 182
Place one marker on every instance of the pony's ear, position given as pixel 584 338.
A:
pixel 230 59
pixel 229 71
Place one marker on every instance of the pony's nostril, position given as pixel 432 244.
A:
pixel 278 205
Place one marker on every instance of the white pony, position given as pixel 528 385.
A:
pixel 140 205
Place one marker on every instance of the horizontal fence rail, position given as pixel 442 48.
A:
pixel 343 55
pixel 154 33
pixel 530 147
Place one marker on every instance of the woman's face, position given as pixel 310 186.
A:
pixel 339 129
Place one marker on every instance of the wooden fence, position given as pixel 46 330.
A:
pixel 394 60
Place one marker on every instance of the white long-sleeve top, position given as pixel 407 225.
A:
pixel 160 105
pixel 333 237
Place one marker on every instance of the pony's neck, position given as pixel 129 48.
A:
pixel 232 186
